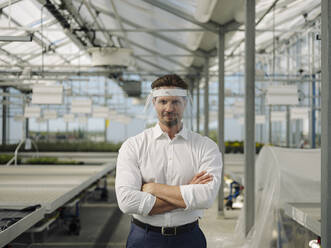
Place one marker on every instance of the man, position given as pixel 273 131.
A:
pixel 167 175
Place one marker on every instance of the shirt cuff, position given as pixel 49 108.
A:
pixel 146 204
pixel 186 191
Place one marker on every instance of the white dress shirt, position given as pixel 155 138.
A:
pixel 152 156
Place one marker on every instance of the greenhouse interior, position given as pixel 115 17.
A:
pixel 82 100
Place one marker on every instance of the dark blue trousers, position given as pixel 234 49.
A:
pixel 142 238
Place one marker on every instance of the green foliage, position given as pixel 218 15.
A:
pixel 4 158
pixel 41 160
pixel 49 160
pixel 234 146
pixel 68 147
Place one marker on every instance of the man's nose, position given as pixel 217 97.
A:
pixel 169 107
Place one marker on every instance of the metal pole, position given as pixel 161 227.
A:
pixel 191 87
pixel 198 104
pixel 4 116
pixel 220 133
pixel 288 125
pixel 249 145
pixel 288 115
pixel 270 125
pixel 326 126
pixel 313 115
pixel 206 98
pixel 262 126
pixel 26 126
pixel 105 104
pixel 312 126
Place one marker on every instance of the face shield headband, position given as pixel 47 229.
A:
pixel 169 92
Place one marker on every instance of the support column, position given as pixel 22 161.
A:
pixel 288 116
pixel 206 97
pixel 221 113
pixel 105 104
pixel 326 126
pixel 263 127
pixel 25 122
pixel 288 125
pixel 191 87
pixel 198 103
pixel 4 116
pixel 270 125
pixel 249 144
pixel 26 128
pixel 312 119
pixel 312 129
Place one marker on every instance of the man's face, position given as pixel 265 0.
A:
pixel 169 109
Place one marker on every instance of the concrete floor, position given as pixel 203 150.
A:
pixel 219 230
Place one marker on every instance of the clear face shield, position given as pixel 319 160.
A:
pixel 157 107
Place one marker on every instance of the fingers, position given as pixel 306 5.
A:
pixel 207 180
pixel 201 178
pixel 200 174
pixel 197 176
pixel 204 179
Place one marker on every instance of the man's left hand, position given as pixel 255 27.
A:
pixel 149 188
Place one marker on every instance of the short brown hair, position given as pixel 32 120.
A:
pixel 170 80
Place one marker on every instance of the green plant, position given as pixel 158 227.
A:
pixel 49 160
pixel 44 146
pixel 4 158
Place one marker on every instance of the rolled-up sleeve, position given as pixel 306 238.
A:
pixel 202 196
pixel 130 198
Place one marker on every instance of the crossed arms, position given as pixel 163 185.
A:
pixel 169 197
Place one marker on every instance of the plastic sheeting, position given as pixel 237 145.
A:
pixel 282 176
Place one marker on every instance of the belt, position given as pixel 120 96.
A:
pixel 166 231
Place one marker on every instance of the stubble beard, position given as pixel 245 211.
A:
pixel 172 123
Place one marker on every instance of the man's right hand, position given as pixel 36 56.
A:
pixel 201 178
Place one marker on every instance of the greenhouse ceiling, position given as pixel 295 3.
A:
pixel 54 40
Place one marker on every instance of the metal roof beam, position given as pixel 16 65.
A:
pixel 151 30
pixel 198 52
pixel 76 16
pixel 232 25
pixel 65 24
pixel 36 39
pixel 210 26
pixel 151 63
pixel 154 53
pixel 8 3
pixel 17 58
pixel 57 73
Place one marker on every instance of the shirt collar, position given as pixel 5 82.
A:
pixel 157 132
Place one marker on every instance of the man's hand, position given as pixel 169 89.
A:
pixel 149 188
pixel 201 178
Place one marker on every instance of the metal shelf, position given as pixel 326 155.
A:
pixel 307 214
pixel 21 226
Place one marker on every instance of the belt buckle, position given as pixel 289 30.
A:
pixel 168 231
